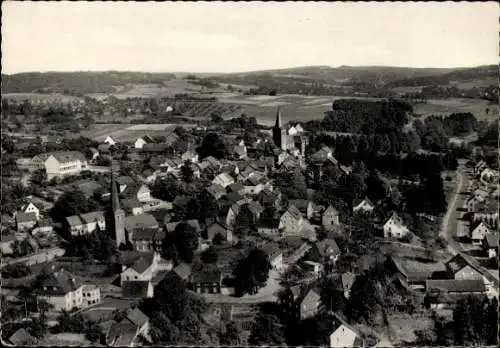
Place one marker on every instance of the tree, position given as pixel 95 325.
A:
pixel 266 330
pixel 39 177
pixel 231 335
pixel 187 173
pixel 186 240
pixel 209 255
pixel 252 272
pixel 72 203
pixel 292 184
pixel 243 223
pixel 213 145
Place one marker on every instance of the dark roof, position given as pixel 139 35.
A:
pixel 206 274
pixel 183 270
pixel 129 203
pixel 181 200
pixel 491 240
pixel 456 263
pixel 153 147
pixel 327 247
pixel 25 217
pixel 144 234
pixel 22 338
pixel 234 197
pixel 125 180
pixel 255 207
pixel 171 226
pixel 137 318
pixel 216 190
pixel 60 283
pixel 236 187
pixel 455 285
pixel 300 204
pixel 134 222
pixel 272 250
pixel 141 264
pixel 135 289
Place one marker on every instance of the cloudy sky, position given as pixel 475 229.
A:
pixel 230 37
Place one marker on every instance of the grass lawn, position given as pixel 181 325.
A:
pixel 402 327
pixel 455 105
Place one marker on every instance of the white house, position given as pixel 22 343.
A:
pixel 395 228
pixel 31 208
pixel 91 295
pixel 62 290
pixel 344 336
pixel 141 141
pixel 110 140
pixel 63 163
pixel 223 179
pixel 93 221
pixel 479 233
pixel 365 206
pixel 143 269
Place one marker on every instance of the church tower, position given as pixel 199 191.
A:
pixel 116 215
pixel 279 133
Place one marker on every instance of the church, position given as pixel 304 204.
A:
pixel 289 138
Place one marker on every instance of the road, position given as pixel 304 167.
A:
pixel 449 224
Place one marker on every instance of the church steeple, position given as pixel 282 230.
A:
pixel 115 200
pixel 279 118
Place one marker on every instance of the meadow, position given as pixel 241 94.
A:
pixel 127 132
pixel 456 105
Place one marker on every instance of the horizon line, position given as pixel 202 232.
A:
pixel 245 71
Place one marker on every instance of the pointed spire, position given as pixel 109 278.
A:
pixel 115 201
pixel 279 118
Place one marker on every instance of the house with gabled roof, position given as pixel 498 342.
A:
pixel 395 227
pixel 63 163
pixel 143 268
pixel 270 198
pixel 323 251
pixel 124 333
pixel 490 244
pixel 30 208
pixel 330 218
pixel 362 206
pixel 25 221
pixel 305 206
pixel 109 140
pixel 223 179
pixel 216 191
pixel 62 290
pixel 22 338
pixel 141 141
pixel 137 289
pixel 479 232
pixel 290 219
pixel 182 270
pixel 275 254
pixel 346 336
pixel 219 228
pixel 93 221
pixel 310 303
pixel 206 278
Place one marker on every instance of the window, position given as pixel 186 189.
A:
pixel 135 277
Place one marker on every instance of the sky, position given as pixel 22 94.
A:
pixel 236 37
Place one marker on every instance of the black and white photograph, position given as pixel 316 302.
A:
pixel 231 174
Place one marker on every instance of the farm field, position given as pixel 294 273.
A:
pixel 127 132
pixel 296 107
pixel 40 96
pixel 447 106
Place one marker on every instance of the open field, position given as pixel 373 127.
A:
pixel 447 106
pixel 403 327
pixel 40 97
pixel 126 132
pixel 296 107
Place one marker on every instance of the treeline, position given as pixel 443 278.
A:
pixel 77 83
pixel 363 116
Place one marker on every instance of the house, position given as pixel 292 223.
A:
pixel 25 221
pixel 346 281
pixel 255 183
pixel 240 151
pixel 231 215
pixel 216 191
pixel 91 295
pixel 141 141
pixel 44 227
pixel 124 333
pixel 142 268
pixel 190 155
pixel 30 208
pixel 147 239
pixel 412 274
pixel 395 228
pixel 155 148
pixel 206 279
pixel 109 141
pixel 139 222
pixel 324 154
pixel 64 163
pixel 490 244
pixel 310 303
pixel 93 221
pixel 255 209
pixel 132 206
pixel 104 148
pixel 480 194
pixel 62 290
pixel 223 179
pixel 455 286
pixel 460 268
pixel 323 251
pixel 94 153
pixel 137 289
pixel 218 229
pixel 232 198
pixel 75 225
pixel 290 219
pixel 304 206
pixel 363 206
pixel 183 270
pixel 123 181
pixel 330 218
pixel 139 191
pixel 270 198
pixel 22 338
pixel 479 233
pixel 7 244
pixel 236 187
pixel 346 336
pixel 273 251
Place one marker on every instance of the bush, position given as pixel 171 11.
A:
pixel 16 271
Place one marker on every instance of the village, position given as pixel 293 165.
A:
pixel 151 224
